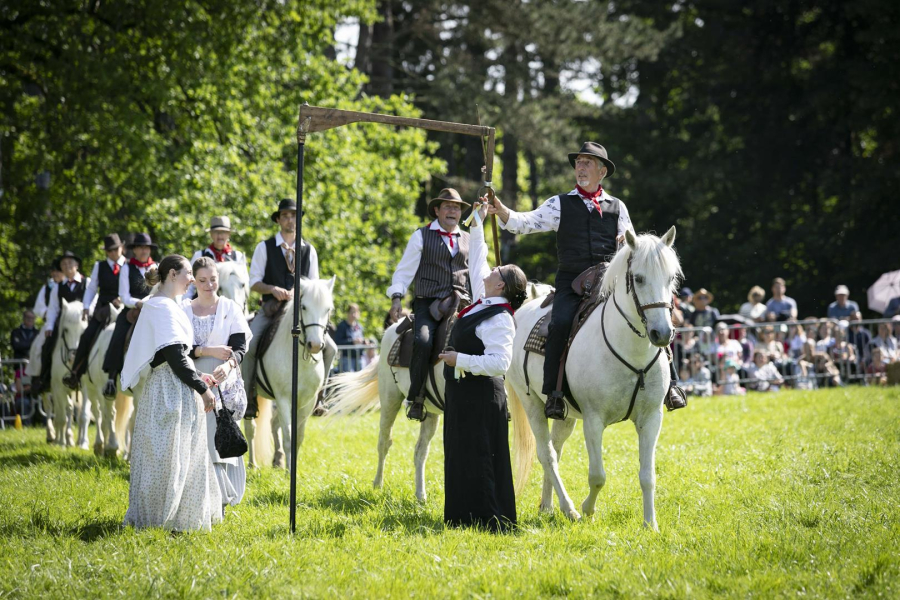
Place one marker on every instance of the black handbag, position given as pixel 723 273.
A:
pixel 229 440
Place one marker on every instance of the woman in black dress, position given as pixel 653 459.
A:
pixel 477 473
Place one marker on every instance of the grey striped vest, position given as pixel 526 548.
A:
pixel 440 273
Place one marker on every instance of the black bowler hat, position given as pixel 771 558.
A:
pixel 286 204
pixel 55 266
pixel 596 150
pixel 141 239
pixel 69 254
pixel 111 241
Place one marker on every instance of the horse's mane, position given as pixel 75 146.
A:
pixel 652 256
pixel 317 290
pixel 70 312
pixel 229 268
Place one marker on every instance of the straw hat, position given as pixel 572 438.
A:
pixel 705 292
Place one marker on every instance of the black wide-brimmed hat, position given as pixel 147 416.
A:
pixel 69 254
pixel 285 204
pixel 596 150
pixel 141 239
pixel 446 195
pixel 111 241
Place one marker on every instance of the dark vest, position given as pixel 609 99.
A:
pixel 76 295
pixel 440 273
pixel 584 238
pixel 230 257
pixel 276 266
pixel 108 284
pixel 47 291
pixel 463 338
pixel 137 285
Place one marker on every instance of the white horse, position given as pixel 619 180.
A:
pixel 106 440
pixel 316 304
pixel 234 282
pixel 71 326
pixel 603 386
pixel 380 384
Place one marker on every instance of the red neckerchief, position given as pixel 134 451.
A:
pixel 116 268
pixel 447 235
pixel 466 310
pixel 592 197
pixel 139 264
pixel 220 254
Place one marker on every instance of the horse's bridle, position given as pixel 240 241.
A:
pixel 301 332
pixel 640 308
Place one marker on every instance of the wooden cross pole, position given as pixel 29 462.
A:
pixel 316 118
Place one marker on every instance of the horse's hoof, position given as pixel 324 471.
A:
pixel 546 509
pixel 573 515
pixel 278 460
pixel 651 526
pixel 252 466
pixel 421 499
pixel 110 452
pixel 587 511
pixel 98 449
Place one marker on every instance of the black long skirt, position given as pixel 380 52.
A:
pixel 477 473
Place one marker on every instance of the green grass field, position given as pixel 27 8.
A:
pixel 793 494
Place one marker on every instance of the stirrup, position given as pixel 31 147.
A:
pixel 109 389
pixel 416 411
pixel 556 407
pixel 678 401
pixel 71 381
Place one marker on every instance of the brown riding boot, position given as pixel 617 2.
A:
pixel 556 406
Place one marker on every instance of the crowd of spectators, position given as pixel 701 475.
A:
pixel 765 347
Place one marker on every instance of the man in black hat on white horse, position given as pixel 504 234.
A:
pixel 273 268
pixel 133 291
pixel 436 262
pixel 589 224
pixel 70 289
pixel 104 286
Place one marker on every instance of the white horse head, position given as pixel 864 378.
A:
pixel 234 282
pixel 71 326
pixel 650 265
pixel 316 304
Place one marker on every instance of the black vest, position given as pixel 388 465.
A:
pixel 108 284
pixel 137 285
pixel 440 273
pixel 584 238
pixel 47 291
pixel 277 272
pixel 76 295
pixel 229 257
pixel 463 338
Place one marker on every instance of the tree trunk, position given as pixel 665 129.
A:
pixel 510 189
pixel 382 71
pixel 362 61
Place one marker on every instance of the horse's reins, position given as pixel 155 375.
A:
pixel 630 288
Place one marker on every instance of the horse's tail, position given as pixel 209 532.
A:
pixel 354 393
pixel 523 440
pixel 124 408
pixel 263 441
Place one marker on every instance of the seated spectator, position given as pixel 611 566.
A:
pixel 699 378
pixel 726 348
pixel 843 354
pixel 876 373
pixel 796 337
pixel 783 307
pixel 767 342
pixel 685 346
pixel 685 303
pixel 753 308
pixel 861 338
pixel 842 308
pixel 350 333
pixel 887 343
pixel 21 339
pixel 826 371
pixel 824 337
pixel 731 382
pixel 704 315
pixel 763 374
pixel 895 326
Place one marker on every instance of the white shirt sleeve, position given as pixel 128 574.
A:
pixel 90 292
pixel 313 262
pixel 258 264
pixel 624 220
pixel 478 264
pixel 543 218
pixel 497 334
pixel 53 309
pixel 40 306
pixel 408 266
pixel 90 305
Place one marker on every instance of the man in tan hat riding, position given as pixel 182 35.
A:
pixel 436 262
pixel 589 226
pixel 220 249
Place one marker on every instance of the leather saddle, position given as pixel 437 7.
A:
pixel 445 310
pixel 275 310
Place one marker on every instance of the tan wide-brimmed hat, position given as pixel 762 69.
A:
pixel 446 195
pixel 705 292
pixel 219 224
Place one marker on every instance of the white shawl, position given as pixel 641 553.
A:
pixel 161 323
pixel 229 320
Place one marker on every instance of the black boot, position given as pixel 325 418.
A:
pixel 676 398
pixel 556 406
pixel 416 410
pixel 72 380
pixel 109 390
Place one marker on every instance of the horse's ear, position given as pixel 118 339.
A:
pixel 331 283
pixel 669 238
pixel 629 238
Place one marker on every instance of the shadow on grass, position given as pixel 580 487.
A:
pixel 69 460
pixel 40 521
